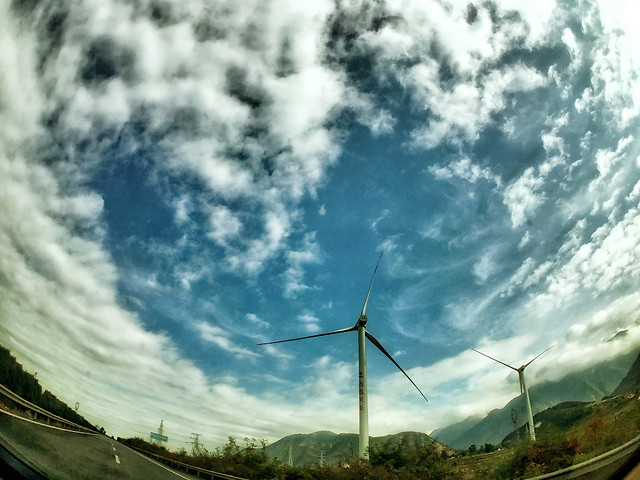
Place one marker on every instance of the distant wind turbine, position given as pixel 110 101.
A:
pixel 523 387
pixel 360 327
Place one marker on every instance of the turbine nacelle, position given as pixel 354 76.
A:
pixel 362 321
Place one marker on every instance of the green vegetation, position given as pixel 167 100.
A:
pixel 307 449
pixel 390 461
pixel 571 433
pixel 596 427
pixel 531 459
pixel 22 383
pixel 248 461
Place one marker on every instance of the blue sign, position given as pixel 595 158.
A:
pixel 157 436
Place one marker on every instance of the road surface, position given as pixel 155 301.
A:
pixel 59 454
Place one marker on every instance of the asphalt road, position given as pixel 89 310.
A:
pixel 64 455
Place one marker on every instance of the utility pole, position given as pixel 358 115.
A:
pixel 159 436
pixel 196 446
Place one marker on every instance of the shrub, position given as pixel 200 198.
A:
pixel 540 457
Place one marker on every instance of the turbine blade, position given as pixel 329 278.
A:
pixel 381 348
pixel 495 359
pixel 350 329
pixel 531 361
pixel 366 300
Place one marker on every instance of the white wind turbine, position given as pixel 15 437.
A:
pixel 523 387
pixel 360 327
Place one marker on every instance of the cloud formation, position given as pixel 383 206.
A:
pixel 180 181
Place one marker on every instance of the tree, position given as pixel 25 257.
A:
pixel 537 458
pixel 487 448
pixel 408 460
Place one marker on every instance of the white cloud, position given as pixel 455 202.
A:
pixel 620 62
pixel 259 250
pixel 623 313
pixel 257 321
pixel 606 159
pixel 485 267
pixel 182 210
pixel 461 114
pixel 309 253
pixel 220 338
pixel 523 197
pixel 310 322
pixel 524 241
pixel 89 335
pixel 466 170
pixel 195 87
pixel 614 88
pixel 222 176
pixel 384 214
pixel 225 225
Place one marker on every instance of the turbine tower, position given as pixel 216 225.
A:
pixel 523 387
pixel 360 327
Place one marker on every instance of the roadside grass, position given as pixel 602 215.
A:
pixel 486 466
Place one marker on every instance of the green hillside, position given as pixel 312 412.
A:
pixel 595 426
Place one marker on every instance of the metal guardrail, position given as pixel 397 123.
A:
pixel 36 410
pixel 595 467
pixel 186 467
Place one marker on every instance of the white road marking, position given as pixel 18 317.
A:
pixel 161 465
pixel 117 459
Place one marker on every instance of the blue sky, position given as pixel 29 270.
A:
pixel 181 182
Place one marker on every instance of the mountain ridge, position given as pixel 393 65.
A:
pixel 589 384
pixel 630 380
pixel 338 448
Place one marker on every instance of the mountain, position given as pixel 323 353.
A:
pixel 608 423
pixel 631 379
pixel 306 449
pixel 449 434
pixel 586 385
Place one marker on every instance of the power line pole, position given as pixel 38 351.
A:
pixel 196 446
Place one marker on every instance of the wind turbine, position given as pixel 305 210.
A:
pixel 360 327
pixel 523 387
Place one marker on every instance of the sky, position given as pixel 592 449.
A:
pixel 180 181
